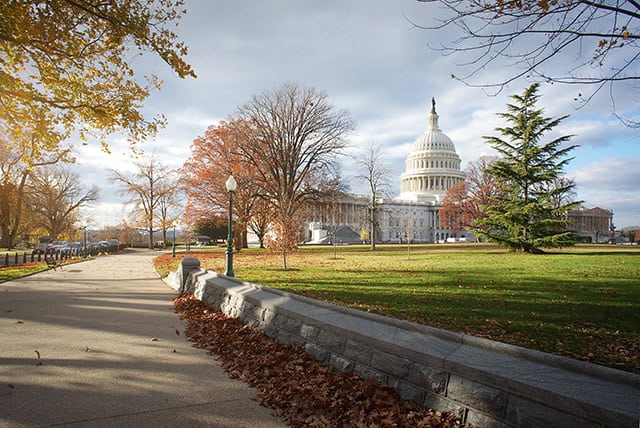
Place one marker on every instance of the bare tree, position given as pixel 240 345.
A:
pixel 373 171
pixel 144 187
pixel 169 208
pixel 292 135
pixel 56 194
pixel 536 38
pixel 125 232
pixel 409 233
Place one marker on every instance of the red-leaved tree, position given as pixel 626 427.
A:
pixel 462 205
pixel 215 157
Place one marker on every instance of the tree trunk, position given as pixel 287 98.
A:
pixel 372 227
pixel 5 242
pixel 18 214
pixel 5 216
pixel 238 239
pixel 151 237
pixel 284 259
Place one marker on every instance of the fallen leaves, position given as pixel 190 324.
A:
pixel 294 384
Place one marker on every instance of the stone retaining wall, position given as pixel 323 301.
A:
pixel 485 383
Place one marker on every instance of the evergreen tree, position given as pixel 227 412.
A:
pixel 526 215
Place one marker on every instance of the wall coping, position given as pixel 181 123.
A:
pixel 606 395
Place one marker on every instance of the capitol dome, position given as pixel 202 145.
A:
pixel 432 167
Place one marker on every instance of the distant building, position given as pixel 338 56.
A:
pixel 202 239
pixel 431 169
pixel 591 224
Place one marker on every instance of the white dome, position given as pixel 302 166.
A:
pixel 432 167
pixel 432 138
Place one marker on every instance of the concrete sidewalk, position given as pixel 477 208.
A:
pixel 95 345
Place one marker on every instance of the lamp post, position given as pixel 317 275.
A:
pixel 231 187
pixel 173 246
pixel 84 242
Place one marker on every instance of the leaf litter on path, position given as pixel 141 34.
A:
pixel 301 390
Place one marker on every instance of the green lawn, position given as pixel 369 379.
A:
pixel 582 302
pixel 12 272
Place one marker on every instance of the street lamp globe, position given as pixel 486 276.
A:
pixel 231 184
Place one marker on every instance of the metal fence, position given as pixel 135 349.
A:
pixel 18 258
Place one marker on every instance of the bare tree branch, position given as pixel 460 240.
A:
pixel 532 37
pixel 145 189
pixel 373 171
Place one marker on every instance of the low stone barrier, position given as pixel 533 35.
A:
pixel 485 383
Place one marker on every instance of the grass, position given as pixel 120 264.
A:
pixel 582 302
pixel 8 273
pixel 13 272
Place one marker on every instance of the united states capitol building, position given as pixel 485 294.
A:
pixel 431 169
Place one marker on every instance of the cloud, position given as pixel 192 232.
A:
pixel 614 174
pixel 370 60
pixel 612 183
pixel 98 216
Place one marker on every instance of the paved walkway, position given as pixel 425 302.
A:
pixel 95 345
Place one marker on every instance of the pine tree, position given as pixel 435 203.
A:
pixel 527 215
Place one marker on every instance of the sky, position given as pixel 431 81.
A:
pixel 371 60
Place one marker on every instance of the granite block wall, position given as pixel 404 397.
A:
pixel 487 384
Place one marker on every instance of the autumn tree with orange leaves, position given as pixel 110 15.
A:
pixel 462 205
pixel 215 156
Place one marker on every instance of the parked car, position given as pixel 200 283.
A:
pixel 114 245
pixel 76 248
pixel 43 248
pixel 102 246
pixel 61 246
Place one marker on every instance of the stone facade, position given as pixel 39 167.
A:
pixel 592 224
pixel 431 169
